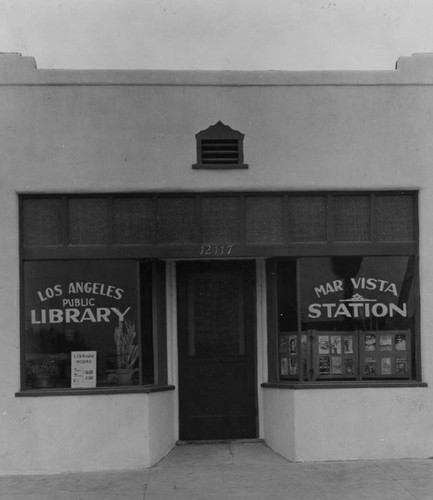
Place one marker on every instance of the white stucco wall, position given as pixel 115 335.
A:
pixel 349 424
pixel 161 428
pixel 77 433
pixel 77 132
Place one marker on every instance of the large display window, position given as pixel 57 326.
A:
pixel 88 324
pixel 346 318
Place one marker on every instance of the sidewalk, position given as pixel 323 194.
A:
pixel 234 471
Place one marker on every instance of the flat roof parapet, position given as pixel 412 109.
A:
pixel 18 70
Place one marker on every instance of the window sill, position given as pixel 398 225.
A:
pixel 93 392
pixel 220 166
pixel 343 385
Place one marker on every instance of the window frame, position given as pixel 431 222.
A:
pixel 273 375
pixel 159 336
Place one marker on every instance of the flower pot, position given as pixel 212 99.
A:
pixel 124 375
pixel 42 381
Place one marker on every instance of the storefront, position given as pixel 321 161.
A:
pixel 207 256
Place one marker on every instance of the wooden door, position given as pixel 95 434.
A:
pixel 216 328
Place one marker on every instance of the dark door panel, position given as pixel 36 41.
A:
pixel 216 316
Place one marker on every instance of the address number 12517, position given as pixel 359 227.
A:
pixel 216 250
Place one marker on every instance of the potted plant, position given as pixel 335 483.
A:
pixel 42 372
pixel 126 351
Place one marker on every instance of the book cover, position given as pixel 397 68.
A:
pixel 336 368
pixel 386 366
pixel 335 344
pixel 370 342
pixel 348 344
pixel 324 365
pixel 370 366
pixel 323 344
pixel 400 342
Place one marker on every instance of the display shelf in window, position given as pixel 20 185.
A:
pixel 335 355
pixel 292 356
pixel 386 354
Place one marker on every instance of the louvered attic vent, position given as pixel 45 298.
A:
pixel 219 146
pixel 219 151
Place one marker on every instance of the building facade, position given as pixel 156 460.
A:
pixel 214 255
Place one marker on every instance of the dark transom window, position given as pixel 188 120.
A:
pixel 218 225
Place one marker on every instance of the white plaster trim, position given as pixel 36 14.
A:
pixel 18 70
pixel 262 336
pixel 172 345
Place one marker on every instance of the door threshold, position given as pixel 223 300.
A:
pixel 220 441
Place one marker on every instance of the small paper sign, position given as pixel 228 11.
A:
pixel 83 369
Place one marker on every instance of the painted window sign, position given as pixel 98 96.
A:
pixel 81 306
pixel 79 303
pixel 358 305
pixel 357 289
